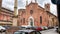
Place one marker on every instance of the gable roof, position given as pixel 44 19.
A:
pixel 31 3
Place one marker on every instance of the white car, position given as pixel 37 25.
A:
pixel 2 28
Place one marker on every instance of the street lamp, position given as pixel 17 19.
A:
pixel 57 2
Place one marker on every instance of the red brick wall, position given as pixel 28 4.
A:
pixel 37 12
pixel 4 17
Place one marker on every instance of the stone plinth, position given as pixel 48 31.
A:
pixel 15 20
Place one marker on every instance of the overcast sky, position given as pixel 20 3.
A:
pixel 9 4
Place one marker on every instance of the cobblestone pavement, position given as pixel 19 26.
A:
pixel 50 31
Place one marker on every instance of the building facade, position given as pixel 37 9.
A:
pixel 53 20
pixel 5 16
pixel 35 15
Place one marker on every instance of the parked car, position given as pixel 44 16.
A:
pixel 35 28
pixel 44 27
pixel 7 27
pixel 27 32
pixel 39 29
pixel 32 27
pixel 21 27
pixel 57 29
pixel 50 27
pixel 2 29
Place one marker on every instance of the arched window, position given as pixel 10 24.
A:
pixel 41 19
pixel 23 20
pixel 53 19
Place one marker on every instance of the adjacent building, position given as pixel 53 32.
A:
pixel 53 20
pixel 5 16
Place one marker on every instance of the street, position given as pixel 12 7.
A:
pixel 2 33
pixel 50 31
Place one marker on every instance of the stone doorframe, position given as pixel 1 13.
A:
pixel 29 21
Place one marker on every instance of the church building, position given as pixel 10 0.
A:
pixel 35 15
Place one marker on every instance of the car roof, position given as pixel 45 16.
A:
pixel 26 31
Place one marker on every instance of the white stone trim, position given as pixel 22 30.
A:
pixel 24 25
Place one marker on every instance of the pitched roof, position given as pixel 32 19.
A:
pixel 32 3
pixel 51 13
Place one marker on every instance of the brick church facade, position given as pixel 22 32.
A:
pixel 35 15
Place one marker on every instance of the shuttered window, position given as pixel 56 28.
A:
pixel 31 11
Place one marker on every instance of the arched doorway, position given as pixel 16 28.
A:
pixel 31 21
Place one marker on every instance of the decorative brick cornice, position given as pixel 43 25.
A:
pixel 5 21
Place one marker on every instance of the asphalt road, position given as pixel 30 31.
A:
pixel 2 33
pixel 50 31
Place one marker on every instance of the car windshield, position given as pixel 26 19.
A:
pixel 20 33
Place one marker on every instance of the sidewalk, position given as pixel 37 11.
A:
pixel 50 31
